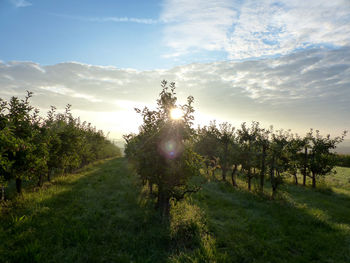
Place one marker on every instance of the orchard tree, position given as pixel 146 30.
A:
pixel 234 157
pixel 294 156
pixel 225 138
pixel 163 149
pixel 248 142
pixel 306 145
pixel 207 145
pixel 19 116
pixel 31 147
pixel 264 144
pixel 322 160
pixel 278 158
pixel 8 145
pixel 53 143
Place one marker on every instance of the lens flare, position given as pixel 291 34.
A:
pixel 170 148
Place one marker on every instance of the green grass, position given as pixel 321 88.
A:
pixel 102 215
pixel 92 216
pixel 339 180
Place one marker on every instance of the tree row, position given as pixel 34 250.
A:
pixel 33 147
pixel 172 157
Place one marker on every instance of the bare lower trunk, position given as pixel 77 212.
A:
pixel 164 204
pixel 262 172
pixel 305 167
pixel 272 177
pixel 224 173
pixel 233 176
pixel 224 166
pixel 150 188
pixel 249 179
pixel 207 169
pixel 41 179
pixel 213 174
pixel 295 178
pixel 313 180
pixel 2 193
pixel 19 185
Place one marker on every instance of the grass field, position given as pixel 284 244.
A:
pixel 101 214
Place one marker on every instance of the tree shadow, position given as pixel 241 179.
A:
pixel 333 205
pixel 251 228
pixel 99 217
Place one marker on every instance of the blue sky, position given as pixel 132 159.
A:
pixel 50 32
pixel 161 34
pixel 126 34
pixel 280 62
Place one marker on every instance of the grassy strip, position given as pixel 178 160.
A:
pixel 92 216
pixel 102 215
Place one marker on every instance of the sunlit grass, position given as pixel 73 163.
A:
pixel 102 214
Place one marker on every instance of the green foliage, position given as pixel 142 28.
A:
pixel 31 146
pixel 162 151
pixel 258 151
pixel 322 160
pixel 343 160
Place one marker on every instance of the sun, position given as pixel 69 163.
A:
pixel 176 114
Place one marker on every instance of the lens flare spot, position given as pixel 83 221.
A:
pixel 170 148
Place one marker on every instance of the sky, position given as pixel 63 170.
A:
pixel 282 63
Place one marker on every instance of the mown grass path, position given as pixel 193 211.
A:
pixel 101 215
pixel 92 216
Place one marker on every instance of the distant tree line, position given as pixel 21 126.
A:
pixel 167 153
pixel 343 160
pixel 33 148
pixel 255 152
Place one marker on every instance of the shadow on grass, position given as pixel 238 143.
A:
pixel 252 228
pixel 99 215
pixel 94 216
pixel 326 203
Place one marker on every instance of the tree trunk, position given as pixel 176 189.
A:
pixel 249 179
pixel 305 167
pixel 49 175
pixel 150 187
pixel 41 179
pixel 224 166
pixel 295 178
pixel 19 185
pixel 164 204
pixel 313 180
pixel 224 173
pixel 207 165
pixel 233 174
pixel 249 169
pixel 262 172
pixel 272 176
pixel 2 193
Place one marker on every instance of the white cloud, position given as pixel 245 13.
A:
pixel 20 3
pixel 124 19
pixel 310 88
pixel 246 29
pixel 197 24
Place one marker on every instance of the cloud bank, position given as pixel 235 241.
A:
pixel 309 88
pixel 248 29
